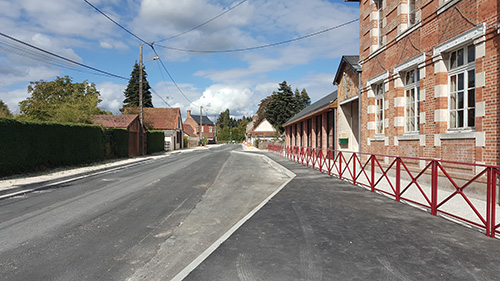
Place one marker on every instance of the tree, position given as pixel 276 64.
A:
pixel 283 105
pixel 61 100
pixel 132 91
pixel 302 100
pixel 4 110
pixel 229 129
pixel 224 120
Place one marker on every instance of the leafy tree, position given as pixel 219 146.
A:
pixel 4 110
pixel 224 120
pixel 261 111
pixel 229 129
pixel 283 105
pixel 61 100
pixel 132 91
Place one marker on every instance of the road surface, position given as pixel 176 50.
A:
pixel 145 222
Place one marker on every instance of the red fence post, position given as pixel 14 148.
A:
pixel 493 201
pixel 492 189
pixel 340 165
pixel 434 188
pixel 354 169
pixel 490 225
pixel 372 184
pixel 398 179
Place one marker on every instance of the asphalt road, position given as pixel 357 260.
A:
pixel 321 228
pixel 146 222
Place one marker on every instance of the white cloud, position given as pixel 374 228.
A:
pixel 12 99
pixel 106 45
pixel 218 98
pixel 111 95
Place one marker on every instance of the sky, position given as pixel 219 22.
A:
pixel 237 81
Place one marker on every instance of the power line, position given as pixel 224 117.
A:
pixel 122 27
pixel 163 78
pixel 169 75
pixel 61 57
pixel 261 46
pixel 200 25
pixel 160 97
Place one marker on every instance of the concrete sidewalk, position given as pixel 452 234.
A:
pixel 18 184
pixel 321 228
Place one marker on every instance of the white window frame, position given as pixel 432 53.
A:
pixel 412 12
pixel 464 73
pixel 380 4
pixel 379 91
pixel 412 88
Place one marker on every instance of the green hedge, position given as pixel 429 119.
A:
pixel 27 146
pixel 120 142
pixel 156 141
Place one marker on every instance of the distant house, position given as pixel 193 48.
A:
pixel 129 122
pixel 191 136
pixel 263 131
pixel 207 128
pixel 168 120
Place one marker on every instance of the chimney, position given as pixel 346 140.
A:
pixel 255 118
pixel 188 113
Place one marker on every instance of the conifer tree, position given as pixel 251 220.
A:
pixel 132 91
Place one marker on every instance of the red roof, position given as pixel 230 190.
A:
pixel 114 121
pixel 188 130
pixel 158 118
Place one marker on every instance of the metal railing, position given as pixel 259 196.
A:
pixel 462 191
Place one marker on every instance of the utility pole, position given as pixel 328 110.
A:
pixel 201 126
pixel 141 116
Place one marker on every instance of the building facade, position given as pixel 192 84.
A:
pixel 129 122
pixel 201 124
pixel 314 126
pixel 348 115
pixel 430 84
pixel 264 131
pixel 168 120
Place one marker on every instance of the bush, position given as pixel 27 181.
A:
pixel 27 146
pixel 156 141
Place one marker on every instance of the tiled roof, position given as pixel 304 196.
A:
pixel 352 61
pixel 188 130
pixel 325 101
pixel 114 121
pixel 205 120
pixel 158 118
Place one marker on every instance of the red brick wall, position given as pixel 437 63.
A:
pixel 434 30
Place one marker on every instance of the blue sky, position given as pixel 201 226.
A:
pixel 237 80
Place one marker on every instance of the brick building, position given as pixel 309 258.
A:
pixel 168 120
pixel 429 85
pixel 129 122
pixel 348 114
pixel 314 126
pixel 207 126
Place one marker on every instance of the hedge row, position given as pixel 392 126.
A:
pixel 156 141
pixel 29 146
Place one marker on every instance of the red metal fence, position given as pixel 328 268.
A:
pixel 463 191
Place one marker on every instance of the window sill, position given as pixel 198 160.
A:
pixel 378 138
pixel 458 134
pixel 409 137
pixel 444 6
pixel 378 51
pixel 409 30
